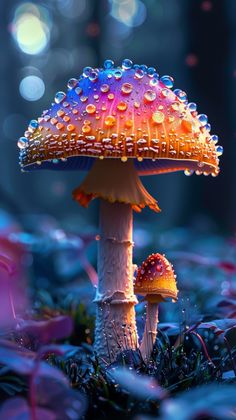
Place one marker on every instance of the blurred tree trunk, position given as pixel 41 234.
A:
pixel 209 44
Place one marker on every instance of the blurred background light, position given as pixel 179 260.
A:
pixel 32 88
pixel 129 12
pixel 74 9
pixel 12 126
pixel 31 28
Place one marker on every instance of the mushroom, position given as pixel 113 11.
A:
pixel 117 123
pixel 155 281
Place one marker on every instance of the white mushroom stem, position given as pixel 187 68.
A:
pixel 150 330
pixel 115 322
pixel 121 191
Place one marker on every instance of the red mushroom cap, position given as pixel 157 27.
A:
pixel 156 278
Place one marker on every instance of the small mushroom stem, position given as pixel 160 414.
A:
pixel 150 330
pixel 115 323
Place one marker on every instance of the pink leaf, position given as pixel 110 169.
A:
pixel 46 331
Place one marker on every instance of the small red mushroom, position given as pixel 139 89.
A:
pixel 156 281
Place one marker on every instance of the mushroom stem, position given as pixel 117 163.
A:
pixel 150 331
pixel 115 323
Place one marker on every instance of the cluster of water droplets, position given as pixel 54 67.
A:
pixel 23 142
pixel 138 72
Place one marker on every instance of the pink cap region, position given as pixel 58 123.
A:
pixel 122 112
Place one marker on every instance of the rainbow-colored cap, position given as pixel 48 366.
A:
pixel 126 112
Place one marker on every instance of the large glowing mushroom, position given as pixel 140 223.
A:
pixel 118 123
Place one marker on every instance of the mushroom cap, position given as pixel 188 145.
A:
pixel 156 277
pixel 121 112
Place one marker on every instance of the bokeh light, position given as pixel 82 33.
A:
pixel 74 9
pixel 129 12
pixel 31 28
pixel 32 88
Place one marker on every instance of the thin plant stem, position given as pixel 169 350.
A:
pixel 203 346
pixel 11 300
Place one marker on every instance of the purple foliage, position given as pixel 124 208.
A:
pixel 209 401
pixel 22 361
pixel 18 409
pixel 45 331
pixel 142 387
pixel 219 326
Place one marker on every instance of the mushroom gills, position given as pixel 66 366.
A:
pixel 115 181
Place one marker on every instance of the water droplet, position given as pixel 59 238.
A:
pixel 165 92
pixel 87 71
pixel 153 82
pixel 22 142
pixel 202 118
pixel 108 64
pixel 122 106
pixel 60 112
pixel 181 95
pixel 126 88
pixel 93 76
pixel 158 117
pixel 90 109
pixel 129 123
pixel 192 106
pixel 72 83
pixel 151 71
pixel 53 121
pixel 219 150
pixel 136 104
pixel 150 96
pixel 60 126
pixel 70 127
pixel 78 90
pixel 175 106
pixel 127 64
pixel 144 68
pixel 208 127
pixel 110 96
pixel 83 98
pixel 139 73
pixel 188 172
pixel 118 74
pixel 86 129
pixel 104 88
pixel 110 121
pixel 215 138
pixel 59 97
pixel 33 125
pixel 168 81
